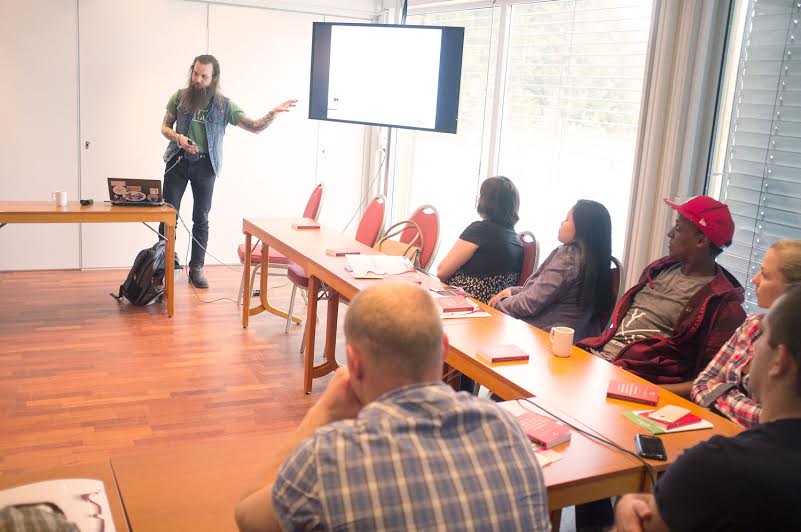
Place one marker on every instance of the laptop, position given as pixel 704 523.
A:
pixel 135 192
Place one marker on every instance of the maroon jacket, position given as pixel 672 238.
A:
pixel 709 319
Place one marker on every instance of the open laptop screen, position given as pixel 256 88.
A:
pixel 135 191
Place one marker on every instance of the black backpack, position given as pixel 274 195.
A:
pixel 145 282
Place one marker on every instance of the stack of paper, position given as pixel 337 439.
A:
pixel 640 418
pixel 377 266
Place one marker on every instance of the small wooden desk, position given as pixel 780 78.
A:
pixel 98 471
pixel 37 212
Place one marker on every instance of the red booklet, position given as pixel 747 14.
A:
pixel 341 252
pixel 543 430
pixel 633 391
pixel 306 223
pixel 454 304
pixel 687 419
pixel 502 353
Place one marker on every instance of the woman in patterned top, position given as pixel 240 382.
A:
pixel 488 255
pixel 724 385
pixel 573 287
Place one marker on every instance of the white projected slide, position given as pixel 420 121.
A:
pixel 387 76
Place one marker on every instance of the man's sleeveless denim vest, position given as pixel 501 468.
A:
pixel 216 121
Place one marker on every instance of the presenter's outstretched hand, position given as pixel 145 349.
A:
pixel 284 107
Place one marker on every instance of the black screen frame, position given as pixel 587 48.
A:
pixel 448 88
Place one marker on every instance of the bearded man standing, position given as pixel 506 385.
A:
pixel 195 124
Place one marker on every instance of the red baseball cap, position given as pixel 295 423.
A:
pixel 710 216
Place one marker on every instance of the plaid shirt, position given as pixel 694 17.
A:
pixel 727 367
pixel 421 457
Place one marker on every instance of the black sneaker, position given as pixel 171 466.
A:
pixel 197 278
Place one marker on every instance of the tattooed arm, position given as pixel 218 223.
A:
pixel 260 124
pixel 170 134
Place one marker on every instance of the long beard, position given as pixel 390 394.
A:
pixel 195 98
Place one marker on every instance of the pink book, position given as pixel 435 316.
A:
pixel 544 430
pixel 502 353
pixel 341 252
pixel 454 304
pixel 306 223
pixel 638 392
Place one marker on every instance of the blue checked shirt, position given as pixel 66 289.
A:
pixel 421 457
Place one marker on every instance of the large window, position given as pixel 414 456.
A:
pixel 550 97
pixel 441 169
pixel 571 108
pixel 756 161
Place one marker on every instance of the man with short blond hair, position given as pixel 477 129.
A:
pixel 389 446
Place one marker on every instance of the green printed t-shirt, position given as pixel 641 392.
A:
pixel 197 128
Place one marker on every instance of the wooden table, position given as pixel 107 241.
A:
pixel 97 471
pixel 36 212
pixel 573 388
pixel 193 487
pixel 306 247
pixel 575 385
pixel 197 487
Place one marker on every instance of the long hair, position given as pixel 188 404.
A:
pixel 594 240
pixel 499 201
pixel 192 99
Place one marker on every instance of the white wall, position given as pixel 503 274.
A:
pixel 39 143
pixel 132 56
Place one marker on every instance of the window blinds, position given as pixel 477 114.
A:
pixel 762 172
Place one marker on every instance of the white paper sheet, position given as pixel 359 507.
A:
pixel 83 501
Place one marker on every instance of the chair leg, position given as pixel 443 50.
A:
pixel 303 340
pixel 241 289
pixel 256 269
pixel 291 308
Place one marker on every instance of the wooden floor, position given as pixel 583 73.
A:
pixel 83 377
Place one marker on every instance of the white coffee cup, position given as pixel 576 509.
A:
pixel 60 197
pixel 561 341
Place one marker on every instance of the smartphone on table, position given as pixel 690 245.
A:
pixel 650 447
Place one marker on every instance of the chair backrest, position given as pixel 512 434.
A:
pixel 427 219
pixel 617 291
pixel 315 203
pixel 372 223
pixel 531 256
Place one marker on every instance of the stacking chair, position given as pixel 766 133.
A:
pixel 369 230
pixel 531 256
pixel 427 219
pixel 275 259
pixel 618 276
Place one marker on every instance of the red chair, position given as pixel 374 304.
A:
pixel 427 219
pixel 531 256
pixel 617 291
pixel 370 228
pixel 275 259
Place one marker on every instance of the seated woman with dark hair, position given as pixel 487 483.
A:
pixel 488 255
pixel 573 287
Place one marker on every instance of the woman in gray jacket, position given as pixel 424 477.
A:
pixel 573 287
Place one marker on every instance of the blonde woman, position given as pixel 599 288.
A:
pixel 724 385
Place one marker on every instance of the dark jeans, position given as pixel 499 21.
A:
pixel 201 175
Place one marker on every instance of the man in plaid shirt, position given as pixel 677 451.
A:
pixel 389 446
